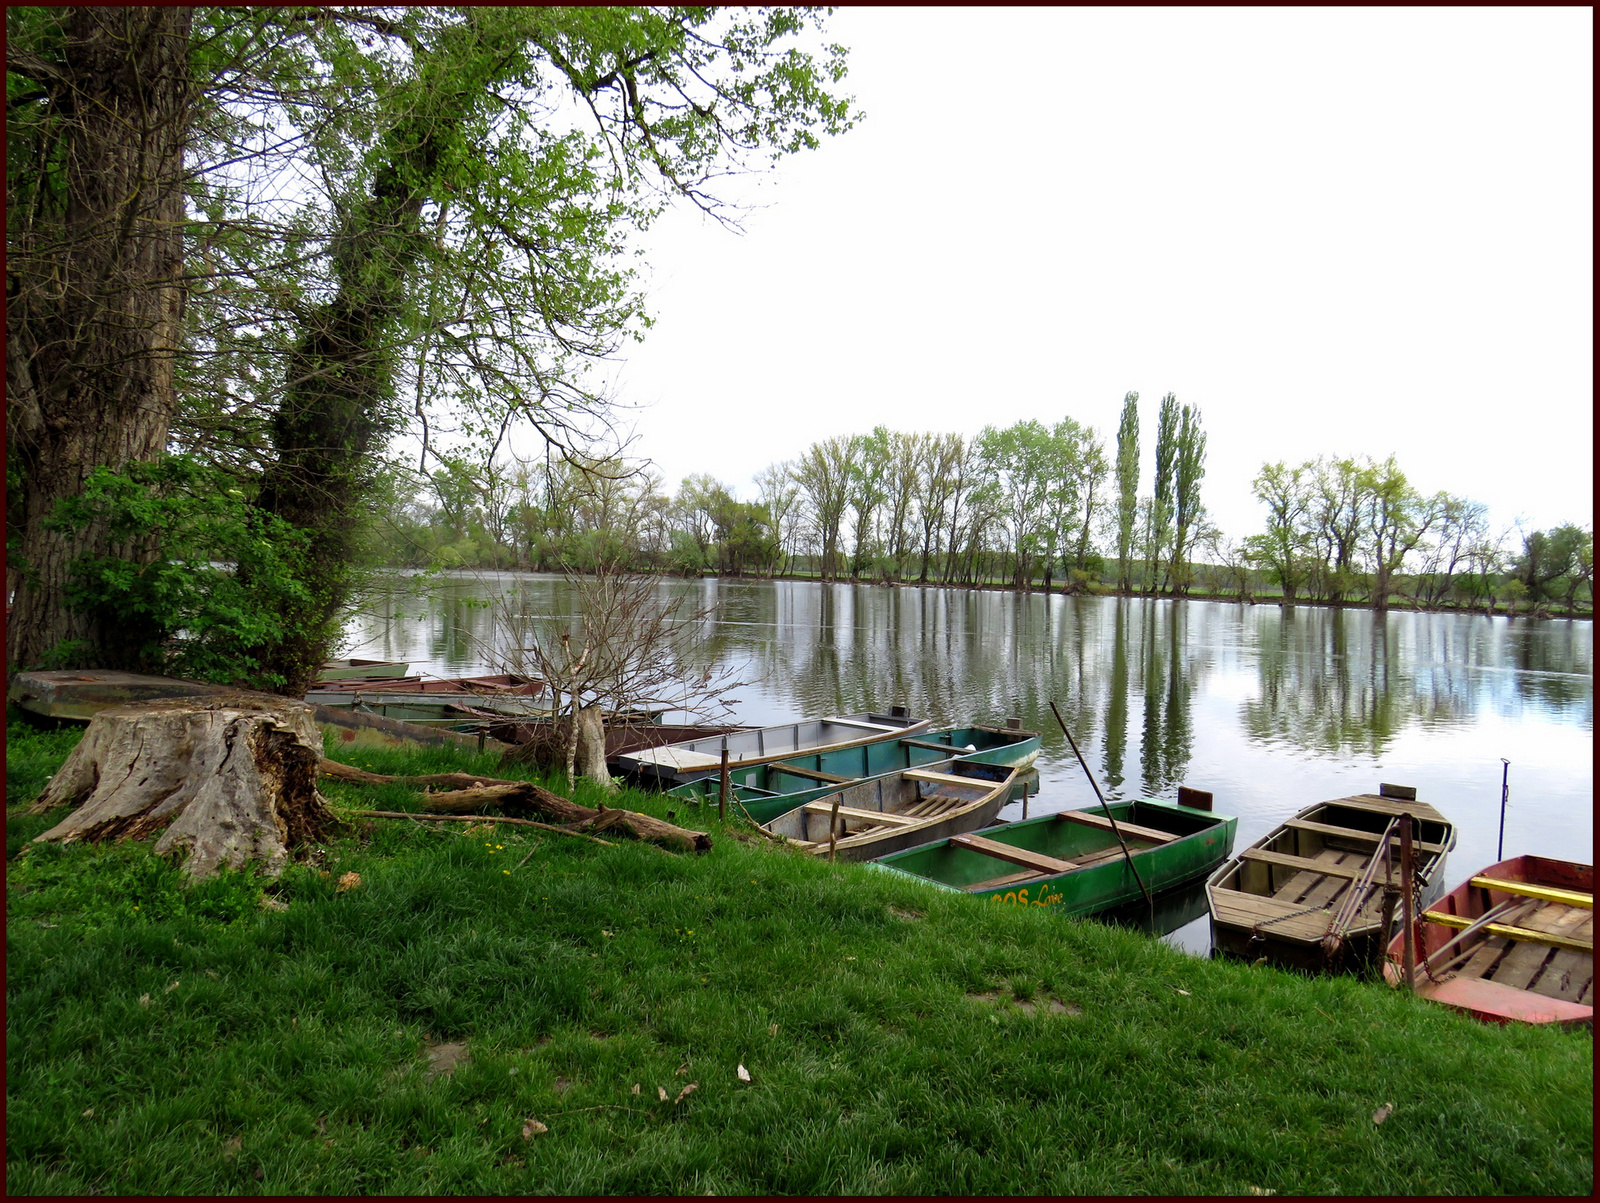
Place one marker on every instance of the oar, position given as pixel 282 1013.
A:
pixel 1115 830
pixel 1471 929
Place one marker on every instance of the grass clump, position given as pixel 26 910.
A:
pixel 494 1009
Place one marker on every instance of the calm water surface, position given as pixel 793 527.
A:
pixel 1270 709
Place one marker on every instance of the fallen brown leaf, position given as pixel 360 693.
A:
pixel 744 1074
pixel 1382 1113
pixel 533 1128
pixel 635 1088
pixel 686 1092
pixel 682 1069
pixel 662 1091
pixel 144 1000
pixel 349 881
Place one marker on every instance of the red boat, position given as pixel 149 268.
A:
pixel 1514 942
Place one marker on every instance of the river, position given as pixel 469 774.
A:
pixel 1268 708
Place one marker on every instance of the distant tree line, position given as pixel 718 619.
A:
pixel 1027 506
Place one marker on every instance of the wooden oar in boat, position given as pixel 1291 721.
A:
pixel 1115 830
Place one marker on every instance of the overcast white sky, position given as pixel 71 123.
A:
pixel 1335 231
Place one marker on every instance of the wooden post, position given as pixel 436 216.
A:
pixel 833 822
pixel 1408 963
pixel 722 793
pixel 1024 799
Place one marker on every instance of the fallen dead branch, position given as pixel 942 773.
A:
pixel 472 795
pixel 406 814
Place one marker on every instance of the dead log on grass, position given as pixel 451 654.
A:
pixel 523 798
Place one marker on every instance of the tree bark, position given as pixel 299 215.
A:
pixel 592 748
pixel 94 299
pixel 231 778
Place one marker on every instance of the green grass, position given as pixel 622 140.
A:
pixel 163 1039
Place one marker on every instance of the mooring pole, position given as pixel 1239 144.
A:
pixel 722 793
pixel 1115 830
pixel 1505 791
pixel 1408 954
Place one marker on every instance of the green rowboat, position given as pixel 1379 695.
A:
pixel 1071 862
pixel 765 791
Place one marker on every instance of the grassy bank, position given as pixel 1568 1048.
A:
pixel 398 1036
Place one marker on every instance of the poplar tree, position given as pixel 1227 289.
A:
pixel 1161 506
pixel 1127 485
pixel 1191 468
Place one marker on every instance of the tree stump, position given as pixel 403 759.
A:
pixel 231 778
pixel 592 748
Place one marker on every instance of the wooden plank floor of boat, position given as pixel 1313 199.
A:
pixel 1311 887
pixel 1561 973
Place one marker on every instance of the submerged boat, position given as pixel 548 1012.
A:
pixel 765 791
pixel 1513 942
pixel 883 814
pixel 360 670
pixel 1310 894
pixel 336 693
pixel 1072 861
pixel 673 764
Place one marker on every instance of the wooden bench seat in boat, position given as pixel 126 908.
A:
pixel 912 742
pixel 1037 861
pixel 1308 863
pixel 1355 833
pixel 814 774
pixel 858 815
pixel 1525 935
pixel 1529 890
pixel 1083 862
pixel 1130 830
pixel 928 777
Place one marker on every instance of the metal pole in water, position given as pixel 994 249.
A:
pixel 1505 790
pixel 1115 830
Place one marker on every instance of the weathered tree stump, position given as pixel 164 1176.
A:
pixel 230 777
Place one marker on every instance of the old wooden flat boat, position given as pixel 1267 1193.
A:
pixel 341 693
pixel 1310 894
pixel 1513 942
pixel 673 764
pixel 764 791
pixel 541 741
pixel 361 670
pixel 1072 862
pixel 77 695
pixel 878 815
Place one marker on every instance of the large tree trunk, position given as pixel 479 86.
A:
pixel 230 777
pixel 93 303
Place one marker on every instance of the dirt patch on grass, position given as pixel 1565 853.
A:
pixel 1028 1006
pixel 443 1058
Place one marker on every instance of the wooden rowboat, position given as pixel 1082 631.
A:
pixel 884 814
pixel 673 764
pixel 342 693
pixel 360 670
pixel 1071 862
pixel 1310 894
pixel 765 791
pixel 1514 942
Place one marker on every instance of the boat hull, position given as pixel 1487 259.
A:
pixel 674 764
pixel 1101 878
pixel 766 791
pixel 1535 964
pixel 917 805
pixel 361 670
pixel 1277 899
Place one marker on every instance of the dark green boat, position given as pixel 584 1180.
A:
pixel 766 791
pixel 1071 862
